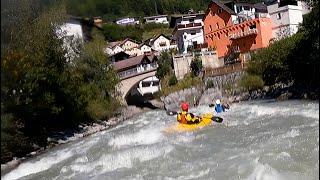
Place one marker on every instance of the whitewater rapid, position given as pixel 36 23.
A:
pixel 258 140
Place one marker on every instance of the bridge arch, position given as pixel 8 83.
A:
pixel 126 84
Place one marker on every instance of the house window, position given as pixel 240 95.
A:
pixel 254 41
pixel 191 20
pixel 217 26
pixel 210 27
pixel 212 13
pixel 252 26
pixel 162 44
pixel 219 10
pixel 279 16
pixel 193 32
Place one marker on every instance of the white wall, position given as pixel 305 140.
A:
pixel 162 20
pixel 156 44
pixel 185 38
pixel 291 17
pixel 129 45
pixel 71 33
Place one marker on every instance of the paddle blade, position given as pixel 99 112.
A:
pixel 217 119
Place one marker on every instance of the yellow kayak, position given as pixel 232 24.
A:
pixel 178 127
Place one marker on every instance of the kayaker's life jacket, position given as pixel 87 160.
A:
pixel 219 108
pixel 187 118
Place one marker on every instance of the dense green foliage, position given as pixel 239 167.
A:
pixel 42 90
pixel 294 58
pixel 114 32
pixel 142 32
pixel 196 66
pixel 165 65
pixel 251 82
pixel 111 10
pixel 173 80
pixel 187 82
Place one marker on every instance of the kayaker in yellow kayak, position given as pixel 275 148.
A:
pixel 184 117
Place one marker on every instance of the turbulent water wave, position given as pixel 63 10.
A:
pixel 258 140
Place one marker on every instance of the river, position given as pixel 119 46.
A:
pixel 258 140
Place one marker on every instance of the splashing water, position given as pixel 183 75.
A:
pixel 258 140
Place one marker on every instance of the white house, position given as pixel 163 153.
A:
pixel 126 45
pixel 161 43
pixel 188 31
pixel 72 33
pixel 144 48
pixel 163 19
pixel 286 17
pixel 127 21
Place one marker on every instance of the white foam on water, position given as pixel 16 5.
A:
pixel 43 164
pixel 142 137
pixel 264 172
pixel 120 159
pixel 283 155
pixel 292 133
pixel 195 175
pixel 50 160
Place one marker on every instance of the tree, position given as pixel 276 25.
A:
pixel 196 66
pixel 165 65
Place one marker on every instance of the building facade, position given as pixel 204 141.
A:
pixel 286 17
pixel 71 33
pixel 127 21
pixel 161 19
pixel 188 31
pixel 232 34
pixel 162 43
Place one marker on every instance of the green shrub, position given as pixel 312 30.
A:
pixel 196 66
pixel 164 65
pixel 173 80
pixel 209 84
pixel 187 82
pixel 251 82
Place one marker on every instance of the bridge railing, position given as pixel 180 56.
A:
pixel 137 70
pixel 225 69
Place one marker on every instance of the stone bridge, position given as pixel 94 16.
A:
pixel 128 82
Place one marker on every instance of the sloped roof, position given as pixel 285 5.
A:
pixel 119 43
pixel 155 16
pixel 261 7
pixel 128 62
pixel 140 45
pixel 223 6
pixel 131 62
pixel 152 41
pixel 113 44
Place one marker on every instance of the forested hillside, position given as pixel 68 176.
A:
pixel 113 9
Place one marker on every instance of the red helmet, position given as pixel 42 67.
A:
pixel 184 106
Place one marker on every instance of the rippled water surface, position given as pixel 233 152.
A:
pixel 258 140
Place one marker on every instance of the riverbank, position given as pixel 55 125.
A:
pixel 205 96
pixel 83 130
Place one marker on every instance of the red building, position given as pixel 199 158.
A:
pixel 232 33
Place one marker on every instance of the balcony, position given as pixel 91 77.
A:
pixel 243 34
